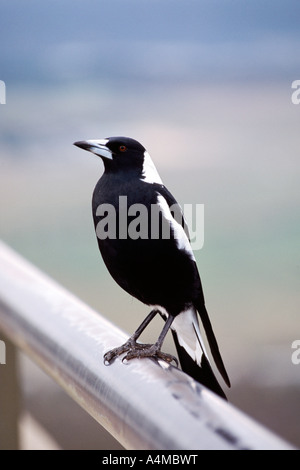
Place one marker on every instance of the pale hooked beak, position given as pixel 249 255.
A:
pixel 98 147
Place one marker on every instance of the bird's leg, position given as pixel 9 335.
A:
pixel 131 343
pixel 153 350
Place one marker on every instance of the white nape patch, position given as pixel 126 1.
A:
pixel 186 326
pixel 180 236
pixel 150 173
pixel 98 147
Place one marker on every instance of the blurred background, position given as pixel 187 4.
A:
pixel 205 85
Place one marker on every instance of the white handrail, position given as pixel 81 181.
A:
pixel 144 405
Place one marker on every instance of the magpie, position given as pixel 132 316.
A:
pixel 154 265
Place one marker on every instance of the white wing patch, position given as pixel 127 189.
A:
pixel 180 236
pixel 187 329
pixel 150 173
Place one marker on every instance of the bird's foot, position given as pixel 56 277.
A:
pixel 151 351
pixel 138 350
pixel 113 353
pixel 130 345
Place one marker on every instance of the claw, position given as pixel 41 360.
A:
pixel 167 358
pixel 111 355
pixel 108 357
pixel 130 345
pixel 138 351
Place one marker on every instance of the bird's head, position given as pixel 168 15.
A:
pixel 123 154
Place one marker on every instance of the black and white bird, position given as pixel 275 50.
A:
pixel 158 270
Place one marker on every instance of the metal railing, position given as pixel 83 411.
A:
pixel 144 405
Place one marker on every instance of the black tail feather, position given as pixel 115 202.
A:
pixel 202 374
pixel 212 341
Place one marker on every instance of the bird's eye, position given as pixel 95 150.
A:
pixel 122 148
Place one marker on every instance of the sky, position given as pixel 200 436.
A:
pixel 71 41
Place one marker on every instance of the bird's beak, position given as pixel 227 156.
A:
pixel 98 147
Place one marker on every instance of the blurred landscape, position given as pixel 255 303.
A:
pixel 206 87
